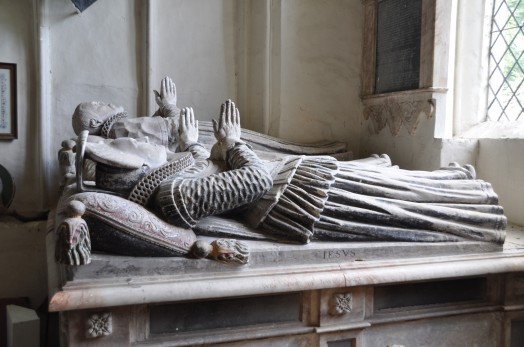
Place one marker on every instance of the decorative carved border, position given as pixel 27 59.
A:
pixel 397 113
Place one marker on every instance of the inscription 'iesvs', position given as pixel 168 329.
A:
pixel 338 253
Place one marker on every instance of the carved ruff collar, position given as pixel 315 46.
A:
pixel 108 124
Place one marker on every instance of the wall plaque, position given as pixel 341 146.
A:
pixel 398 45
pixel 8 117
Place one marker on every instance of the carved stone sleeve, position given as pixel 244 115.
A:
pixel 184 200
pixel 198 151
pixel 167 111
pixel 301 203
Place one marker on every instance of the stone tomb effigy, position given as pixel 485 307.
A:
pixel 144 197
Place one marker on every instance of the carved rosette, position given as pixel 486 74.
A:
pixel 99 325
pixel 342 303
pixel 397 114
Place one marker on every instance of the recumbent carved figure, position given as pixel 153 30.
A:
pixel 295 198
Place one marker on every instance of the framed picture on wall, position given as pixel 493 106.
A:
pixel 8 117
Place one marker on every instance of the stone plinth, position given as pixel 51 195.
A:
pixel 333 286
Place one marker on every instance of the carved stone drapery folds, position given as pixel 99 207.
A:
pixel 397 110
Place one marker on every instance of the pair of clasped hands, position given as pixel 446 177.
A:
pixel 227 130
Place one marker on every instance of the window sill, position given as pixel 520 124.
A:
pixel 496 130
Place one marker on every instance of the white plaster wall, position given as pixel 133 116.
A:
pixel 23 269
pixel 22 246
pixel 94 56
pixel 320 71
pixel 196 46
pixel 500 163
pixel 420 151
pixel 224 49
pixel 258 37
pixel 17 46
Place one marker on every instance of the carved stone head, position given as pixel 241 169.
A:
pixel 223 250
pixel 230 251
pixel 92 115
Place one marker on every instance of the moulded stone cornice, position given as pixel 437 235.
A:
pixel 211 285
pixel 189 279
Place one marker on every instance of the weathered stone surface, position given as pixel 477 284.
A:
pixel 276 268
pixel 73 242
pixel 296 198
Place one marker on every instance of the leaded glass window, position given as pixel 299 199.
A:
pixel 506 62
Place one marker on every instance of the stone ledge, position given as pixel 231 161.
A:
pixel 116 281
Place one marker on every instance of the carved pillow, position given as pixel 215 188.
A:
pixel 119 226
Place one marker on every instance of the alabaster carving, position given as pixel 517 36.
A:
pixel 397 114
pixel 66 162
pixel 377 115
pixel 117 224
pixel 342 303
pixel 99 325
pixel 148 200
pixel 74 242
pixel 223 250
pixel 91 116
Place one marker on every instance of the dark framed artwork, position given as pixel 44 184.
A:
pixel 8 117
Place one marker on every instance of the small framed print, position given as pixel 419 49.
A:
pixel 8 117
